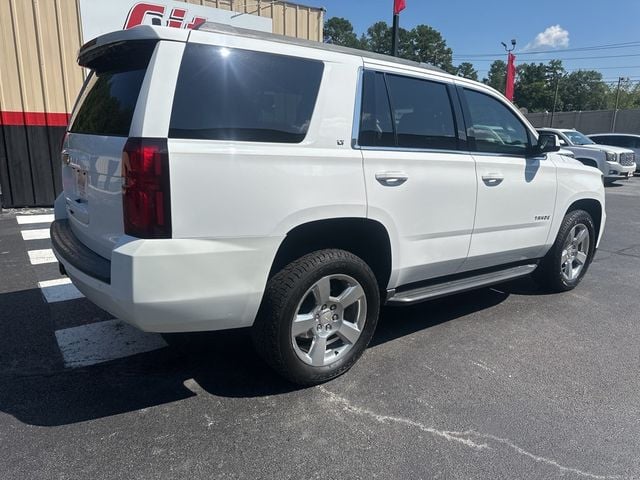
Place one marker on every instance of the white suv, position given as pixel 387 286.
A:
pixel 219 178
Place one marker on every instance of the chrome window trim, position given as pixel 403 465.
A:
pixel 464 152
pixel 418 150
pixel 357 110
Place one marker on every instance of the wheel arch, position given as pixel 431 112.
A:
pixel 366 238
pixel 593 207
pixel 590 162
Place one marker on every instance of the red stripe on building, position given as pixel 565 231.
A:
pixel 34 119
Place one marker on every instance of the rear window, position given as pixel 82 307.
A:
pixel 231 94
pixel 110 94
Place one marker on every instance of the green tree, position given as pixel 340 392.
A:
pixel 378 38
pixel 583 90
pixel 629 95
pixel 422 44
pixel 497 75
pixel 430 47
pixel 339 31
pixel 533 87
pixel 466 70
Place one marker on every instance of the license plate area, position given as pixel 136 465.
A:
pixel 81 184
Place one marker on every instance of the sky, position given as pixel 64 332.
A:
pixel 476 27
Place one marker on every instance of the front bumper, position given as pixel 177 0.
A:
pixel 615 171
pixel 171 285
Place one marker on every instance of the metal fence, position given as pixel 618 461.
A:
pixel 597 121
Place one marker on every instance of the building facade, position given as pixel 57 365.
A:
pixel 40 78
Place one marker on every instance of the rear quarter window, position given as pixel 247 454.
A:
pixel 242 95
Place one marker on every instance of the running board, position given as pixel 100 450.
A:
pixel 431 292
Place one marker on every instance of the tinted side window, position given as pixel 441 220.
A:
pixel 495 127
pixel 620 141
pixel 232 94
pixel 603 140
pixel 422 113
pixel 376 127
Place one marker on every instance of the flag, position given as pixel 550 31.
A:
pixel 398 6
pixel 511 76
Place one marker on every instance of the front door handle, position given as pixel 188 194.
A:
pixel 492 179
pixel 391 179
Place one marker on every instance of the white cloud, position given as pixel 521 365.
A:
pixel 553 37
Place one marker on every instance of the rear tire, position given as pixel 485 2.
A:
pixel 564 266
pixel 317 316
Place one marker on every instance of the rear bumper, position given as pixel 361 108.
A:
pixel 171 285
pixel 67 246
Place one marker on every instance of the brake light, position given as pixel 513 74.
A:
pixel 145 188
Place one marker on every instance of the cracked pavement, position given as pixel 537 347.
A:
pixel 502 383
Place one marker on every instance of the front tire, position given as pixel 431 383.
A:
pixel 317 316
pixel 566 264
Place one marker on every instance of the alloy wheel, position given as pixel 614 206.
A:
pixel 329 320
pixel 575 252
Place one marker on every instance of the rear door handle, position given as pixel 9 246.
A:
pixel 391 179
pixel 492 179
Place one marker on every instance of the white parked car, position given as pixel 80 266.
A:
pixel 623 140
pixel 221 178
pixel 615 163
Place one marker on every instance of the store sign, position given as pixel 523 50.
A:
pixel 99 17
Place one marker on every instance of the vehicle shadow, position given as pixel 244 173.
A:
pixel 220 363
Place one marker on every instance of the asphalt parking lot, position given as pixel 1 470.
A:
pixel 499 383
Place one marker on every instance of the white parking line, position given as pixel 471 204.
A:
pixel 38 234
pixel 28 219
pixel 59 290
pixel 41 256
pixel 104 341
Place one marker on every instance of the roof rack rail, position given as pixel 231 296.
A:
pixel 213 27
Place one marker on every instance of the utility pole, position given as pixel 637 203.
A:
pixel 555 99
pixel 615 110
pixel 396 34
pixel 398 6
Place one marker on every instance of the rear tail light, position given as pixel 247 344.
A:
pixel 145 188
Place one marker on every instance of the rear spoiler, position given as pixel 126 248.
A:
pixel 96 47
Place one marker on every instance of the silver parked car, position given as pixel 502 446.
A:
pixel 624 140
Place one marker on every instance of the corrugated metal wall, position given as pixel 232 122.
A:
pixel 288 19
pixel 40 79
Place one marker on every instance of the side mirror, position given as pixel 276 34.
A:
pixel 547 142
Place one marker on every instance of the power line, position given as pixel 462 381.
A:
pixel 607 68
pixel 576 49
pixel 456 57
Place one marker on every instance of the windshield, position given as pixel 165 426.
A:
pixel 578 138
